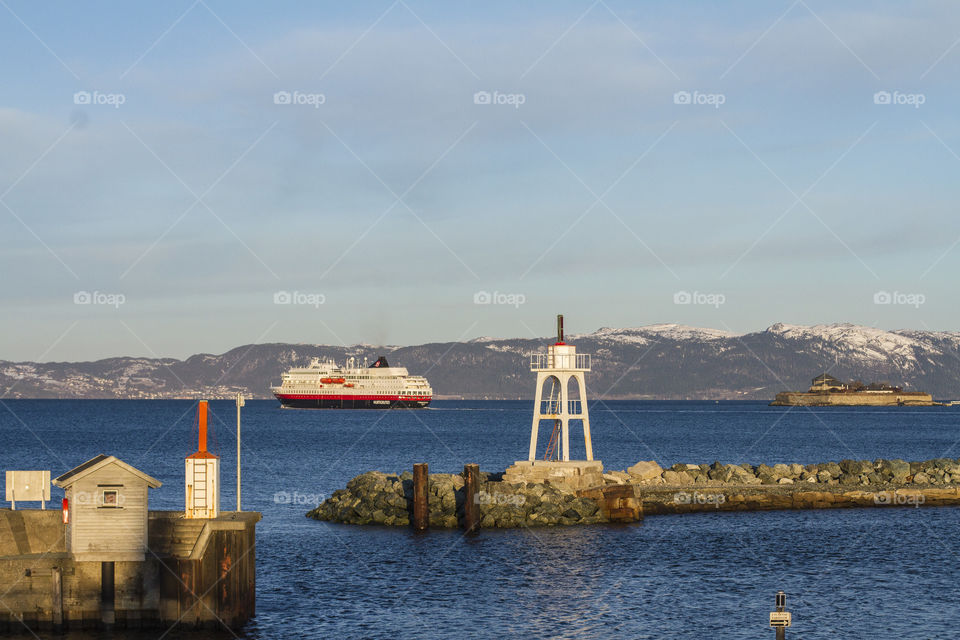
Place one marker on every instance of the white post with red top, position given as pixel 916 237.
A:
pixel 202 471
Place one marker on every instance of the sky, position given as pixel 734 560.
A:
pixel 191 176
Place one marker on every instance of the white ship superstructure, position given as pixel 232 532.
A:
pixel 324 385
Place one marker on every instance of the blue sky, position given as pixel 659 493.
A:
pixel 384 199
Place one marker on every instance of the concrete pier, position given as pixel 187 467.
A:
pixel 195 574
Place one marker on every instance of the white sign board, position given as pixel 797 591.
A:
pixel 780 619
pixel 28 486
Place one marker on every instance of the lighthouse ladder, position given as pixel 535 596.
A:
pixel 553 407
pixel 550 453
pixel 200 485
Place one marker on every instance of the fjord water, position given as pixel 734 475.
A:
pixel 859 573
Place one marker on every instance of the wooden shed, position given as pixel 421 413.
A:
pixel 108 510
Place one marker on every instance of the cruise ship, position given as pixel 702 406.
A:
pixel 324 385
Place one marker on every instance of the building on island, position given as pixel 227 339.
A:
pixel 825 390
pixel 826 382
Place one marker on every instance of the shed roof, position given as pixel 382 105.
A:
pixel 98 462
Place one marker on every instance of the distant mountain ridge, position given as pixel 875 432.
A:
pixel 665 361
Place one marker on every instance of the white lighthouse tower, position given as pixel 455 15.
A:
pixel 202 474
pixel 560 368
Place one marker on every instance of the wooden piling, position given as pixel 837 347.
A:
pixel 57 605
pixel 471 508
pixel 421 507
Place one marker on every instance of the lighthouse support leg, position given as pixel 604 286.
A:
pixel 536 418
pixel 587 441
pixel 565 417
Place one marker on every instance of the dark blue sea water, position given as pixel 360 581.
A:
pixel 849 573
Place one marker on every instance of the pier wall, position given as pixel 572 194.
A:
pixel 211 584
pixel 31 531
pixel 707 499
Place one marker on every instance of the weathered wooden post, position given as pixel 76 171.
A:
pixel 421 507
pixel 471 508
pixel 57 605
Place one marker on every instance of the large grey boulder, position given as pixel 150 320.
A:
pixel 856 467
pixel 677 477
pixel 645 470
pixel 894 470
pixel 832 468
pixel 781 471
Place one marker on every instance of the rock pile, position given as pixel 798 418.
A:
pixel 379 498
pixel 387 499
pixel 939 471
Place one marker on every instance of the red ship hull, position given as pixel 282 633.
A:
pixel 351 401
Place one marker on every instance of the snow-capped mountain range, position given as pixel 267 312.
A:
pixel 663 361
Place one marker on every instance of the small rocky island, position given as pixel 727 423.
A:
pixel 377 498
pixel 827 391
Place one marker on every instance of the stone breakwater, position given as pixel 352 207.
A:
pixel 939 471
pixel 379 498
pixel 386 499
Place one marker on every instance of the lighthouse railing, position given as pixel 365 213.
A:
pixel 553 407
pixel 566 361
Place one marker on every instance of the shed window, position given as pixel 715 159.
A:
pixel 111 498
